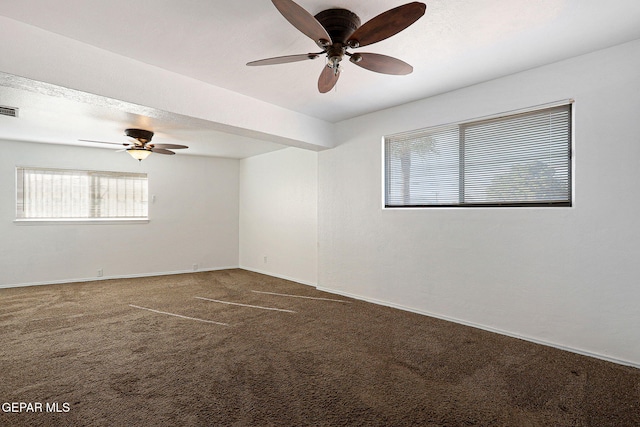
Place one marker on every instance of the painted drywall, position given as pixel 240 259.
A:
pixel 278 214
pixel 193 220
pixel 568 277
pixel 51 58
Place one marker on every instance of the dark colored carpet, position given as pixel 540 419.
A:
pixel 84 347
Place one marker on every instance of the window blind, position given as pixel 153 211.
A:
pixel 73 194
pixel 422 167
pixel 515 160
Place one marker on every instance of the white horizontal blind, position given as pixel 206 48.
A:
pixel 422 167
pixel 516 160
pixel 72 194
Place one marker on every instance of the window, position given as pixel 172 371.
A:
pixel 55 194
pixel 516 160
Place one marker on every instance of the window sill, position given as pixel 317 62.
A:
pixel 483 205
pixel 81 221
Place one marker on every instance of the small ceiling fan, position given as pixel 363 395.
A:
pixel 336 30
pixel 142 147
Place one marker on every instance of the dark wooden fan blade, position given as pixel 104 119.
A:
pixel 387 24
pixel 105 142
pixel 381 63
pixel 169 146
pixel 161 151
pixel 303 21
pixel 284 59
pixel 327 80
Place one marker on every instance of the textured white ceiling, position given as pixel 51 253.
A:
pixel 457 43
pixel 51 114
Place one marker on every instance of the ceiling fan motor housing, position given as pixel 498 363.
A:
pixel 141 135
pixel 339 23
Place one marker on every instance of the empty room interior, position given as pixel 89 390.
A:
pixel 322 213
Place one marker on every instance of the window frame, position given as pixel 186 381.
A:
pixel 20 220
pixel 492 204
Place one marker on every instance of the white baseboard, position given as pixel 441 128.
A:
pixel 279 276
pixel 121 276
pixel 483 327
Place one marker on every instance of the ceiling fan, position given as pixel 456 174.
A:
pixel 142 147
pixel 336 30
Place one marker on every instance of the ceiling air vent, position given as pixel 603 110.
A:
pixel 8 111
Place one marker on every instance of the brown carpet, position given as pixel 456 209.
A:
pixel 93 353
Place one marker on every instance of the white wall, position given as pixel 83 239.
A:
pixel 278 214
pixel 194 219
pixel 569 277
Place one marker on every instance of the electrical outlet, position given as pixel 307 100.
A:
pixel 99 272
pixel 265 259
pixel 195 267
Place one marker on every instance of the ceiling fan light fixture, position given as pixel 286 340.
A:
pixel 141 149
pixel 355 58
pixel 139 153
